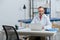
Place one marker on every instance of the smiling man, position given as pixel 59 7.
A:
pixel 42 19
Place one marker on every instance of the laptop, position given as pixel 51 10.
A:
pixel 35 27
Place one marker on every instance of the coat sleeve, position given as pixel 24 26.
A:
pixel 48 24
pixel 34 20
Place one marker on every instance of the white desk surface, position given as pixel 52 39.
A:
pixel 28 32
pixel 35 33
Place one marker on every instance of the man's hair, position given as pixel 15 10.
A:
pixel 40 7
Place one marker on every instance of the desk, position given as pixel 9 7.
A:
pixel 37 33
pixel 27 32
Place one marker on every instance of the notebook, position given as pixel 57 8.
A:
pixel 35 27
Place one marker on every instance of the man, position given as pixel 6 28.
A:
pixel 42 19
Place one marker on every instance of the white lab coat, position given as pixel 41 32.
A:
pixel 45 21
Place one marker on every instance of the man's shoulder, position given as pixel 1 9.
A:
pixel 45 15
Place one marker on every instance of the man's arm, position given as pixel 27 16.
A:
pixel 48 24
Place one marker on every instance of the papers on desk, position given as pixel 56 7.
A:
pixel 24 29
pixel 28 29
pixel 52 29
pixel 19 28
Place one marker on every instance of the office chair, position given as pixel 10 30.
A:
pixel 8 36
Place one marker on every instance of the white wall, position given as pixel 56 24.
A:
pixel 55 8
pixel 12 10
pixel 8 12
pixel 21 11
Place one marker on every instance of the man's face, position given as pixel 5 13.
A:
pixel 41 11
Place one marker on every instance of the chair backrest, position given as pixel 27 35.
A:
pixel 7 28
